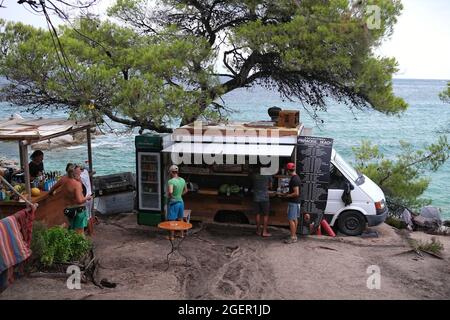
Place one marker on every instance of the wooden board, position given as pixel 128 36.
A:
pixel 53 129
pixel 208 191
pixel 5 123
pixel 240 129
pixel 204 208
pixel 41 122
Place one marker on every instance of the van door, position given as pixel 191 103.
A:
pixel 360 200
pixel 335 191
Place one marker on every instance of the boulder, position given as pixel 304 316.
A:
pixel 6 163
pixel 65 141
pixel 433 213
pixel 429 218
pixel 59 142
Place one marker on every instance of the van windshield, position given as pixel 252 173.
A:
pixel 354 175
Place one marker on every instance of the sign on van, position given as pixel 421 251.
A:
pixel 313 168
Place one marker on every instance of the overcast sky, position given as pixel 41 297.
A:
pixel 420 43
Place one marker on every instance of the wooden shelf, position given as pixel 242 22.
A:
pixel 209 192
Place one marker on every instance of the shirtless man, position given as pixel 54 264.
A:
pixel 72 191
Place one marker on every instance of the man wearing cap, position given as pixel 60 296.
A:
pixel 176 189
pixel 294 202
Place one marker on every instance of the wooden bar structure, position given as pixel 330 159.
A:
pixel 29 131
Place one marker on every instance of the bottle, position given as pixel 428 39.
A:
pixel 41 182
pixel 35 183
pixel 52 180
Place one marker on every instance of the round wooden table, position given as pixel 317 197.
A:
pixel 175 226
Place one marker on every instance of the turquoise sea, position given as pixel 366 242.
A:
pixel 422 123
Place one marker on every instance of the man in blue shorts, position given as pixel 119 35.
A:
pixel 176 189
pixel 294 202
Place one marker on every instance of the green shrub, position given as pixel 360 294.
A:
pixel 57 245
pixel 38 242
pixel 434 246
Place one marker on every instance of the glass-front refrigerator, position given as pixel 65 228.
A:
pixel 149 179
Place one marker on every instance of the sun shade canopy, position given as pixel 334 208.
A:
pixel 39 129
pixel 231 149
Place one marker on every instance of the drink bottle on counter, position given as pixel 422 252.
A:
pixel 2 194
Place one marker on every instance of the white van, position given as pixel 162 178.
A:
pixel 367 199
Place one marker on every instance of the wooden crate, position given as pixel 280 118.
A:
pixel 289 118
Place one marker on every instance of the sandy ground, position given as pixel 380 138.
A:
pixel 232 262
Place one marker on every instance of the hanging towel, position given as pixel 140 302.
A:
pixel 13 249
pixel 25 220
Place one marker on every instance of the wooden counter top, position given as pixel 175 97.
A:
pixel 44 195
pixel 39 198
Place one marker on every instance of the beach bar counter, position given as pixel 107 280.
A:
pixel 26 132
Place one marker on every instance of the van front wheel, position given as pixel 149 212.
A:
pixel 351 223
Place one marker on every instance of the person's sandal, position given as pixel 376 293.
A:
pixel 290 240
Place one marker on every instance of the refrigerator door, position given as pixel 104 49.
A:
pixel 149 180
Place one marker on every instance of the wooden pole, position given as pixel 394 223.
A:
pixel 22 164
pixel 26 168
pixel 91 168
